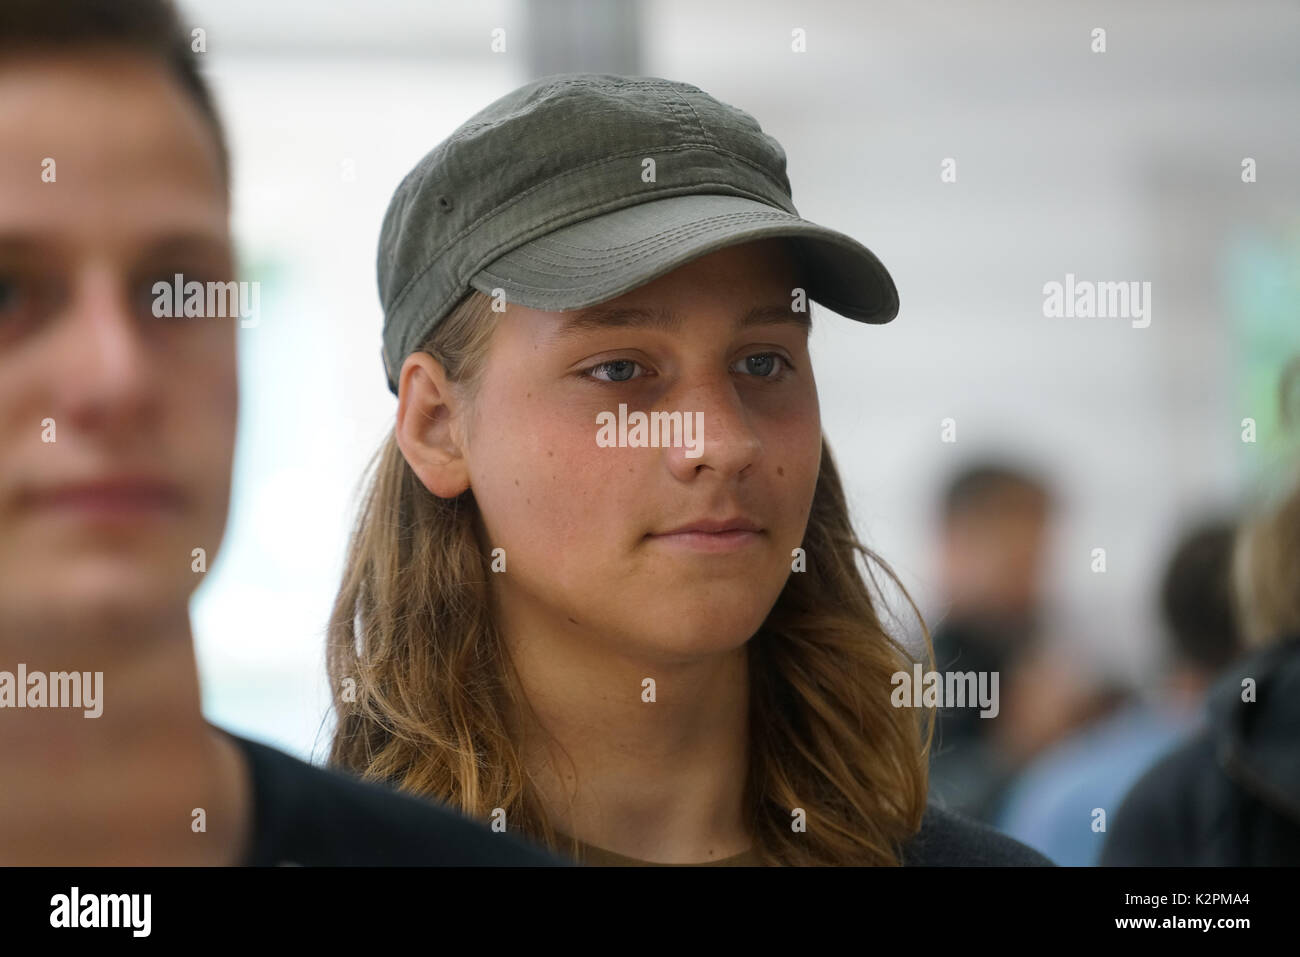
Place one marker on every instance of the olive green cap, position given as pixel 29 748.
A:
pixel 576 188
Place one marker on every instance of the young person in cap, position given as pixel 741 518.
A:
pixel 116 439
pixel 656 652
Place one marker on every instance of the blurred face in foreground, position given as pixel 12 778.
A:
pixel 103 520
pixel 665 553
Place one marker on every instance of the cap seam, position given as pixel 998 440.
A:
pixel 699 124
pixel 877 271
pixel 720 217
pixel 835 305
pixel 667 237
pixel 838 305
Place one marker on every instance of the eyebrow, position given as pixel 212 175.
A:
pixel 170 244
pixel 184 244
pixel 599 317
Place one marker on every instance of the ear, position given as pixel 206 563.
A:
pixel 429 426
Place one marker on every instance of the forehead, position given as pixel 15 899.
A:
pixel 131 154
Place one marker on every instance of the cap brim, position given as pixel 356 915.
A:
pixel 601 258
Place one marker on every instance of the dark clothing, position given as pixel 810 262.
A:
pixel 308 815
pixel 968 773
pixel 1231 796
pixel 947 839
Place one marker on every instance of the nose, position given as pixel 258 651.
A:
pixel 105 373
pixel 717 427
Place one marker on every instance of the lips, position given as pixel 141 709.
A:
pixel 716 526
pixel 118 494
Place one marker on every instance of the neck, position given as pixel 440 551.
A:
pixel 120 787
pixel 661 780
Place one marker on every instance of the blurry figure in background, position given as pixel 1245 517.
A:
pixel 995 532
pixel 1231 795
pixel 1053 804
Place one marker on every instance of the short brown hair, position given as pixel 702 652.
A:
pixel 150 28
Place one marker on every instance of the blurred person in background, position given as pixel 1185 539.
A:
pixel 1052 805
pixel 995 531
pixel 117 432
pixel 1231 795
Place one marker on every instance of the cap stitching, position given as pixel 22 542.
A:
pixel 541 91
pixel 608 264
pixel 719 217
pixel 816 292
pixel 679 118
pixel 698 122
pixel 839 305
pixel 657 240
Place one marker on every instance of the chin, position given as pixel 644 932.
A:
pixel 709 632
pixel 95 591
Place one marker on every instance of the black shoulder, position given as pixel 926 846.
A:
pixel 1158 819
pixel 312 816
pixel 949 839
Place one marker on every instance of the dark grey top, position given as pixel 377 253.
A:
pixel 303 814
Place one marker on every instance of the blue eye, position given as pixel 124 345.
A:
pixel 759 366
pixel 614 364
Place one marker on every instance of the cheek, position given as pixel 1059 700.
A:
pixel 20 397
pixel 548 491
pixel 794 448
pixel 24 404
pixel 205 413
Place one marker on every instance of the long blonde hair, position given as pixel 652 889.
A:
pixel 423 689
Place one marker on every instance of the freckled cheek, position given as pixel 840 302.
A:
pixel 794 434
pixel 549 489
pixel 795 450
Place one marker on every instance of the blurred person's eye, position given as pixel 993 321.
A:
pixel 25 301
